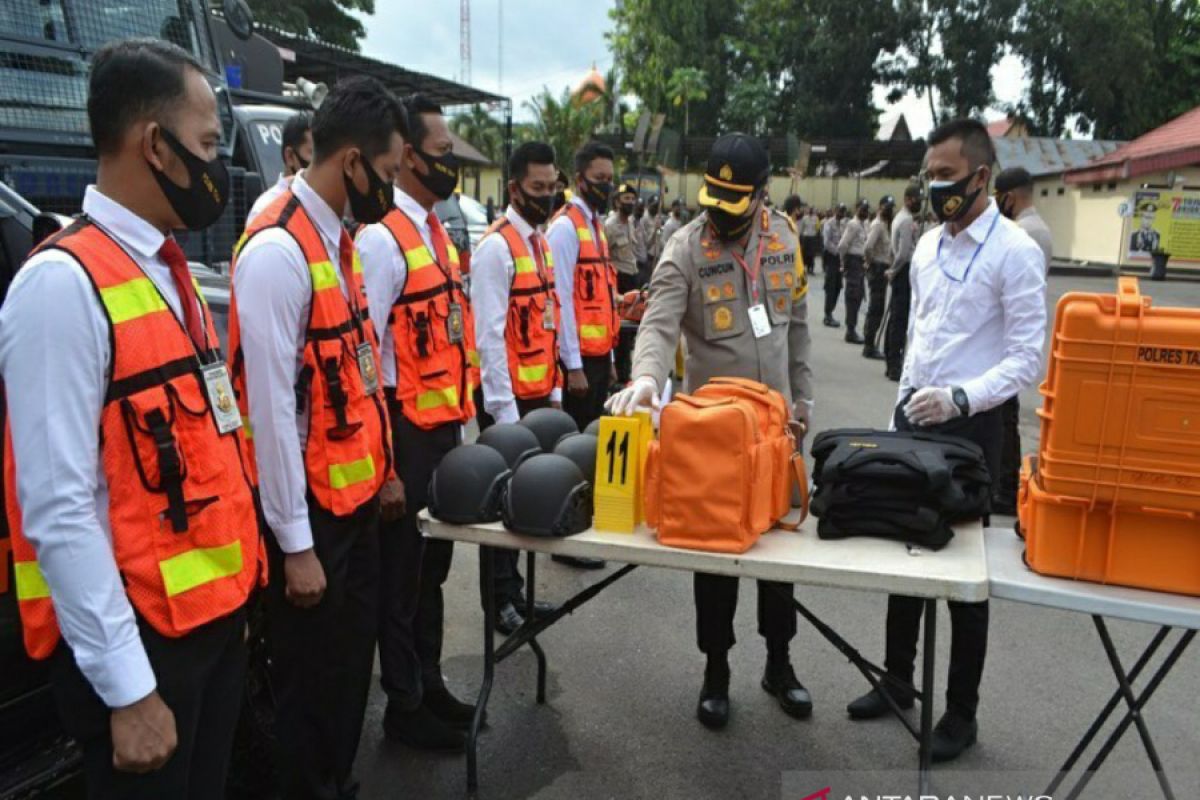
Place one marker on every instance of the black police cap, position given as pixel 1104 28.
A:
pixel 1013 178
pixel 737 166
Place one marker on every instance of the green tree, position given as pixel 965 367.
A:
pixel 328 20
pixel 562 123
pixel 650 39
pixel 687 85
pixel 482 130
pixel 1113 68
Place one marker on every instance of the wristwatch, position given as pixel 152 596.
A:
pixel 960 399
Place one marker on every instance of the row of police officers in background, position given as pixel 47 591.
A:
pixel 156 482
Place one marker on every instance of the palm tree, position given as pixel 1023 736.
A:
pixel 561 123
pixel 685 85
pixel 482 130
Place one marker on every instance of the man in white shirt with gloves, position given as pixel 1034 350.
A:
pixel 517 323
pixel 975 339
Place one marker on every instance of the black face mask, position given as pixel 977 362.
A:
pixel 373 205
pixel 535 210
pixel 728 227
pixel 596 194
pixel 626 208
pixel 304 162
pixel 560 200
pixel 442 178
pixel 199 204
pixel 1006 208
pixel 950 199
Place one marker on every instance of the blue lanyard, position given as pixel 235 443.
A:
pixel 974 256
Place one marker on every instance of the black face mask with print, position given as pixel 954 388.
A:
pixel 373 205
pixel 729 227
pixel 596 194
pixel 535 210
pixel 442 178
pixel 202 201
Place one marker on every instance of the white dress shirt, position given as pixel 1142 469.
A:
pixel 564 246
pixel 976 325
pixel 56 360
pixel 385 271
pixel 492 274
pixel 272 287
pixel 266 198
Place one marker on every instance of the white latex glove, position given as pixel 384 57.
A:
pixel 642 392
pixel 931 406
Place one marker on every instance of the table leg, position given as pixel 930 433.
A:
pixel 1109 707
pixel 531 600
pixel 486 555
pixel 927 694
pixel 1133 715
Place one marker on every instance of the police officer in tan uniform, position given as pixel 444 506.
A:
pixel 730 282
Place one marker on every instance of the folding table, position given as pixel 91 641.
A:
pixel 1011 579
pixel 956 572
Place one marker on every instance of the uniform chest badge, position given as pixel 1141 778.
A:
pixel 774 279
pixel 774 245
pixel 788 279
pixel 728 290
pixel 781 303
pixel 713 293
pixel 722 319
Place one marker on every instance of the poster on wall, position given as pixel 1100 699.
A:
pixel 1164 220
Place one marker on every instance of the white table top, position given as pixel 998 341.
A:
pixel 1011 580
pixel 956 572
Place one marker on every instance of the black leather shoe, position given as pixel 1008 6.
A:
pixel 448 708
pixel 713 708
pixel 508 619
pixel 853 338
pixel 541 608
pixel 579 563
pixel 421 729
pixel 893 376
pixel 793 698
pixel 951 736
pixel 872 705
pixel 830 322
pixel 873 353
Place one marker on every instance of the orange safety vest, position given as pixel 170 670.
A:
pixel 531 331
pixel 596 318
pixel 348 453
pixel 433 333
pixel 181 497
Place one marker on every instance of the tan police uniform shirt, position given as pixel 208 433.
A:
pixel 621 243
pixel 648 227
pixel 854 238
pixel 699 289
pixel 878 249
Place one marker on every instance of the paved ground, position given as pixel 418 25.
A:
pixel 624 675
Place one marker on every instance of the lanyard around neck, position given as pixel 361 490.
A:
pixel 974 255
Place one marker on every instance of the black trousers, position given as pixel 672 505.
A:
pixel 200 677
pixel 896 336
pixel 321 657
pixel 1005 481
pixel 876 300
pixel 716 599
pixel 833 280
pixel 589 406
pixel 809 247
pixel 853 281
pixel 412 610
pixel 509 583
pixel 625 339
pixel 968 621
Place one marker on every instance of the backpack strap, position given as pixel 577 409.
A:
pixel 801 481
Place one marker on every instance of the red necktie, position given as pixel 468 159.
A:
pixel 540 260
pixel 441 242
pixel 176 261
pixel 346 262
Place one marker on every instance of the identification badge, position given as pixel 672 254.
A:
pixel 759 321
pixel 548 314
pixel 220 397
pixel 454 323
pixel 366 368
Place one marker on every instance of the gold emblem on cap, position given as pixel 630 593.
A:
pixel 722 318
pixel 726 172
pixel 728 290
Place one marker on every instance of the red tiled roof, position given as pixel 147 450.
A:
pixel 999 127
pixel 1175 144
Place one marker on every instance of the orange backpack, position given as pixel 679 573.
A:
pixel 721 471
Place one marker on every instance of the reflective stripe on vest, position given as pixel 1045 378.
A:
pixel 532 351
pixel 433 332
pixel 348 449
pixel 597 322
pixel 153 455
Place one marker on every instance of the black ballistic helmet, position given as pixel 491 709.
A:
pixel 548 496
pixel 593 427
pixel 515 442
pixel 580 448
pixel 550 425
pixel 468 485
